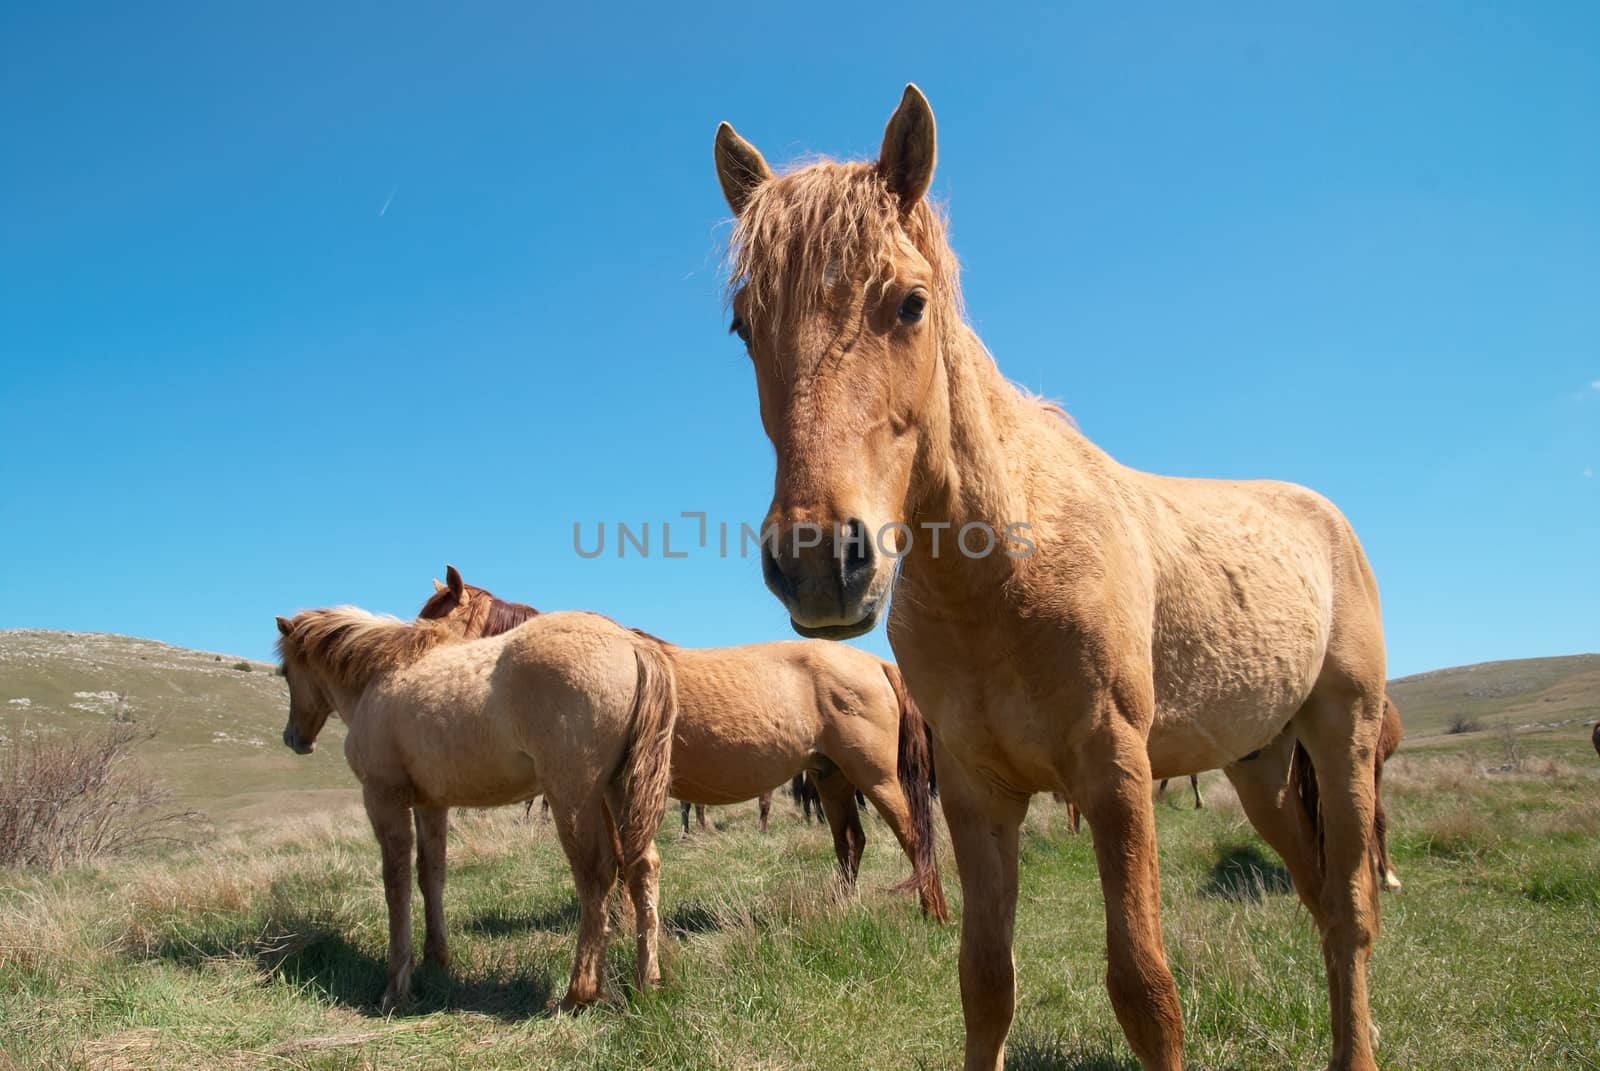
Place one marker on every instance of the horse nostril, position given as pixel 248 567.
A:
pixel 855 553
pixel 778 581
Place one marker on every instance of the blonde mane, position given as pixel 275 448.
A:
pixel 354 646
pixel 826 220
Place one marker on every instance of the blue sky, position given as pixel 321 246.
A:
pixel 297 305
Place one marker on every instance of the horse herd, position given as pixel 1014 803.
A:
pixel 1127 628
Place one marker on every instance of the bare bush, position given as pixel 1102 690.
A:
pixel 72 798
pixel 1461 723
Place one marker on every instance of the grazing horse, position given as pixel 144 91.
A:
pixel 752 717
pixel 1067 623
pixel 570 705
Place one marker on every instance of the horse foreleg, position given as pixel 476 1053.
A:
pixel 1272 805
pixel 844 819
pixel 391 824
pixel 983 830
pixel 588 841
pixel 700 817
pixel 1114 774
pixel 433 825
pixel 1194 783
pixel 765 803
pixel 683 814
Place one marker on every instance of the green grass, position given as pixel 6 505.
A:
pixel 264 949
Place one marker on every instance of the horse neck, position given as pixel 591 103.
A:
pixel 344 694
pixel 973 468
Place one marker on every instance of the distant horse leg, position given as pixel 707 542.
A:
pixel 765 803
pixel 983 830
pixel 683 813
pixel 391 824
pixel 586 837
pixel 433 824
pixel 1339 727
pixel 839 799
pixel 700 816
pixel 544 808
pixel 1114 775
pixel 1161 791
pixel 1194 783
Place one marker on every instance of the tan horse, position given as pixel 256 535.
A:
pixel 752 717
pixel 572 706
pixel 1117 627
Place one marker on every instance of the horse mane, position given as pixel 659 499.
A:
pixel 828 219
pixel 354 646
pixel 505 615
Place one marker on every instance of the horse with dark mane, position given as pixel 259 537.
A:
pixel 753 717
pixel 569 705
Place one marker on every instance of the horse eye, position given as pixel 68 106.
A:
pixel 740 328
pixel 912 308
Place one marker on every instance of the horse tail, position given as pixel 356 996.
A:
pixel 914 768
pixel 646 770
pixel 1303 783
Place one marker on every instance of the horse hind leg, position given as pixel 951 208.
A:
pixel 1338 727
pixel 1194 783
pixel 1380 833
pixel 590 846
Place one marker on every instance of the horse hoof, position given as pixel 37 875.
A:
pixel 573 1003
pixel 1392 883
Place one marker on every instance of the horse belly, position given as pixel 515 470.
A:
pixel 1235 658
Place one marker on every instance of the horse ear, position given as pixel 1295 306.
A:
pixel 452 580
pixel 284 626
pixel 907 157
pixel 740 168
pixel 437 587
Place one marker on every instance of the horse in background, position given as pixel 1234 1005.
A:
pixel 571 706
pixel 752 717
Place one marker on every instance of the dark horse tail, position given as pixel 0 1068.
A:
pixel 1303 783
pixel 646 770
pixel 914 767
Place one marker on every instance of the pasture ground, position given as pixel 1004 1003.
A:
pixel 263 947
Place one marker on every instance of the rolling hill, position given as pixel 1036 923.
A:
pixel 218 718
pixel 218 727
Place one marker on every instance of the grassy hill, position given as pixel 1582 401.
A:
pixel 1528 694
pixel 218 718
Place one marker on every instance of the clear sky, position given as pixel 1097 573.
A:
pixel 300 302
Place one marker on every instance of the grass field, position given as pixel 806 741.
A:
pixel 261 945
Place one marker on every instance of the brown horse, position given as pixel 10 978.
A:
pixel 1595 739
pixel 1067 623
pixel 752 717
pixel 570 705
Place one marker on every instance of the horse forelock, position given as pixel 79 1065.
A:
pixel 826 220
pixel 353 645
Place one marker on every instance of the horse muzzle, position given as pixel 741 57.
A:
pixel 826 579
pixel 291 740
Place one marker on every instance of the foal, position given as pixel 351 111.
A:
pixel 569 705
pixel 754 716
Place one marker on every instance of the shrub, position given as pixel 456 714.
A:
pixel 1461 723
pixel 72 798
pixel 243 667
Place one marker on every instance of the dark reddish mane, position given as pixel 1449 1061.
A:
pixel 505 616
